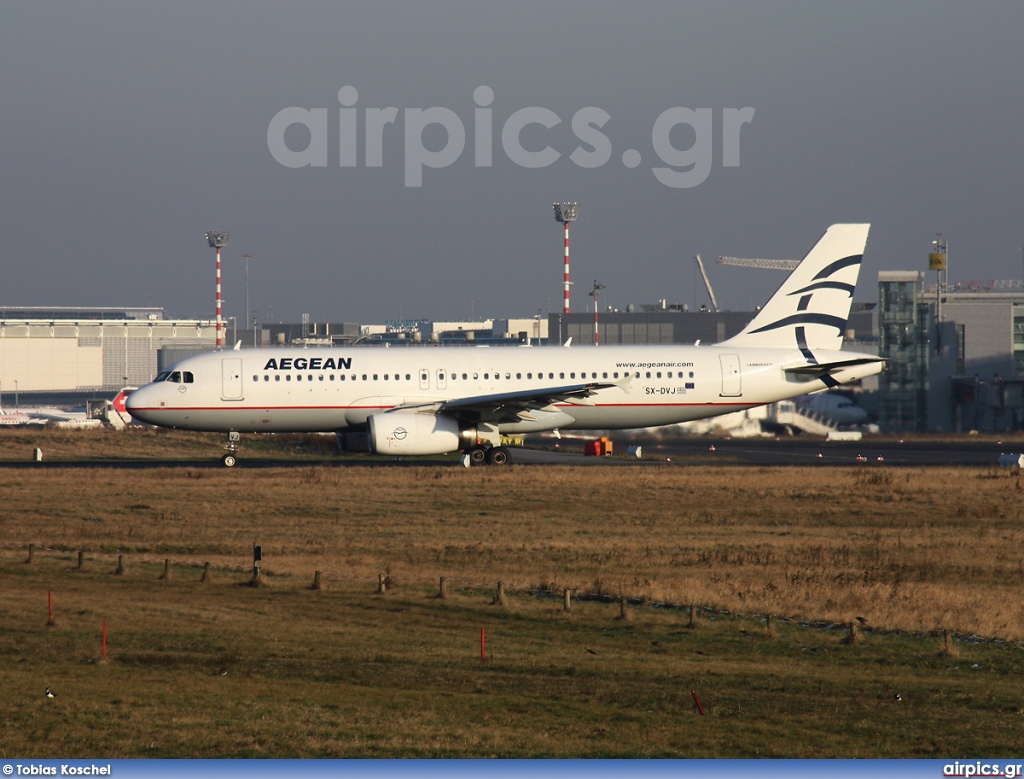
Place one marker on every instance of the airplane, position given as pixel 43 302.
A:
pixel 438 400
pixel 59 417
pixel 18 419
pixel 835 406
pixel 43 416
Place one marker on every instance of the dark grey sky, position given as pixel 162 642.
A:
pixel 127 130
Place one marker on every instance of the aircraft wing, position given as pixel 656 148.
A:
pixel 507 407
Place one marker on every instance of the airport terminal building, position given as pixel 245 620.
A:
pixel 66 355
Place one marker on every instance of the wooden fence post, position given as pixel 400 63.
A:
pixel 206 573
pixel 120 566
pixel 81 558
pixel 499 596
pixel 566 600
pixel 317 584
pixel 382 586
pixel 166 575
pixel 443 588
pixel 31 553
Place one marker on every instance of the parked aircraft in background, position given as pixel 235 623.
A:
pixel 430 401
pixel 17 419
pixel 836 407
pixel 58 417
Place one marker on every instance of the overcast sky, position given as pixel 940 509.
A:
pixel 129 129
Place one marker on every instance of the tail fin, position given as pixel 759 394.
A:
pixel 810 309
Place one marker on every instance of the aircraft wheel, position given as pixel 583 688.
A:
pixel 477 456
pixel 229 460
pixel 498 455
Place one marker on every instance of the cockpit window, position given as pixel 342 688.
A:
pixel 162 376
pixel 186 376
pixel 175 377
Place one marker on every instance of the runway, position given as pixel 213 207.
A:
pixel 797 451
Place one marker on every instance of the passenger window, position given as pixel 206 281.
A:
pixel 561 375
pixel 487 375
pixel 519 375
pixel 440 376
pixel 331 375
pixel 277 377
pixel 322 377
pixel 508 375
pixel 375 377
pixel 266 377
pixel 615 375
pixel 476 376
pixel 691 374
pixel 255 378
pixel 604 375
pixel 298 377
pixel 288 377
pixel 364 377
pixel 572 375
pixel 529 375
pixel 659 374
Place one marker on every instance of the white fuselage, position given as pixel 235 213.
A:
pixel 334 389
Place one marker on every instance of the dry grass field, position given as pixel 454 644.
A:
pixel 344 671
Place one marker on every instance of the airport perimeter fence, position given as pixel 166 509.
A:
pixel 383 582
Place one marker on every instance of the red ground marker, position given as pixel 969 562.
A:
pixel 697 701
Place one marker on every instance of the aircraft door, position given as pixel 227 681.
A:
pixel 231 378
pixel 424 379
pixel 442 378
pixel 731 380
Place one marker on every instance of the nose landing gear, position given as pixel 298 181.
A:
pixel 230 459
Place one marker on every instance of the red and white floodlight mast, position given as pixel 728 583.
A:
pixel 218 241
pixel 566 213
pixel 594 293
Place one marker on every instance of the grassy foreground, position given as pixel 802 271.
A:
pixel 344 671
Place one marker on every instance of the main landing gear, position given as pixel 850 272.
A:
pixel 230 459
pixel 491 455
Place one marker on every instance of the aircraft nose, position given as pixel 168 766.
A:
pixel 138 401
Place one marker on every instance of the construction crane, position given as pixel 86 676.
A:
pixel 766 264
pixel 707 282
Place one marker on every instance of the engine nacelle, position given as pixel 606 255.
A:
pixel 405 433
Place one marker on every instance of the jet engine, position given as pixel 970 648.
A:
pixel 406 433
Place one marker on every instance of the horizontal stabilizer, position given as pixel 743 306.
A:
pixel 831 367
